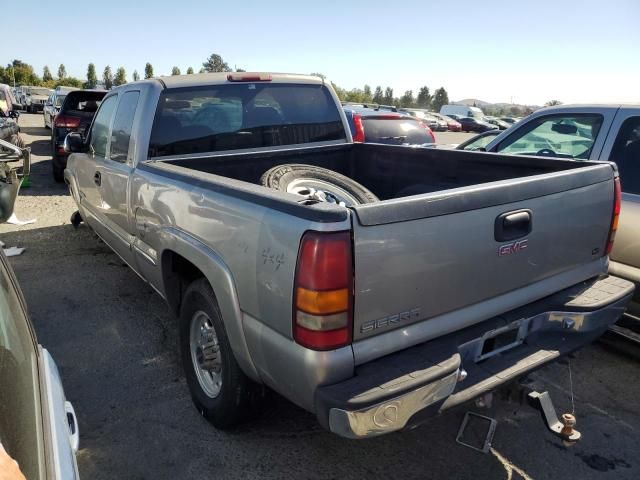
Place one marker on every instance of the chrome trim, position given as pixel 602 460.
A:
pixel 390 415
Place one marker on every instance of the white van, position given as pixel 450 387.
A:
pixel 461 111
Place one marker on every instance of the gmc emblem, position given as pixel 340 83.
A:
pixel 513 247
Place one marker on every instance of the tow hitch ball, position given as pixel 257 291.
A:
pixel 561 427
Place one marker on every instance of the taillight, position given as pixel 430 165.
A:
pixel 249 77
pixel 66 121
pixel 616 214
pixel 323 291
pixel 358 136
pixel 429 131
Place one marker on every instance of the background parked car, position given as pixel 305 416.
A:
pixel 427 117
pixel 38 427
pixel 378 126
pixel 452 124
pixel 461 111
pixel 471 124
pixel 509 120
pixel 36 98
pixel 75 115
pixel 502 125
pixel 54 103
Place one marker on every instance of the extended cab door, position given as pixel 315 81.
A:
pixel 623 147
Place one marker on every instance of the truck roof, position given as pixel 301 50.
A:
pixel 175 81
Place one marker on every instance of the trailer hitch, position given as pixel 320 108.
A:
pixel 561 427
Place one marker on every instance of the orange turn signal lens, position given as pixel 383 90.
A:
pixel 322 302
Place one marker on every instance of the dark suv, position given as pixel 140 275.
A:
pixel 76 115
pixel 375 125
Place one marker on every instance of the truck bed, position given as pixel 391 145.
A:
pixel 388 171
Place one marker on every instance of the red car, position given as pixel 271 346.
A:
pixel 453 125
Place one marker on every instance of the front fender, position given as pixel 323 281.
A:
pixel 219 276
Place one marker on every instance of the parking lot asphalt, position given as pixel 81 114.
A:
pixel 115 343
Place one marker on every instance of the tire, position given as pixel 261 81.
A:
pixel 305 179
pixel 237 396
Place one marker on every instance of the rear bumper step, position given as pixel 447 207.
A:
pixel 404 389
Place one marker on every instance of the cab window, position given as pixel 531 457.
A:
pixel 121 133
pixel 101 125
pixel 565 136
pixel 626 154
pixel 20 420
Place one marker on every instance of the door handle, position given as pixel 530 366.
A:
pixel 97 178
pixel 513 225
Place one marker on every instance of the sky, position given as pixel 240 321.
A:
pixel 520 51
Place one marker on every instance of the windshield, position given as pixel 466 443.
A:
pixel 244 115
pixel 60 100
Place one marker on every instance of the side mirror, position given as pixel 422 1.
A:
pixel 74 143
pixel 14 114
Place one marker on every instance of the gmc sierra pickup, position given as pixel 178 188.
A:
pixel 450 274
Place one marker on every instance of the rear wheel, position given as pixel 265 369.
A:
pixel 220 390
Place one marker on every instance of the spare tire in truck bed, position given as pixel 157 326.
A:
pixel 317 183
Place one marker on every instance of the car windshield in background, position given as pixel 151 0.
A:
pixel 245 115
pixel 84 102
pixel 60 100
pixel 570 137
pixel 395 131
pixel 40 91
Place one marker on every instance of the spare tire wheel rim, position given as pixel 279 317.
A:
pixel 320 190
pixel 205 354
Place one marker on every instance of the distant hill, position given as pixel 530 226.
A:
pixel 496 108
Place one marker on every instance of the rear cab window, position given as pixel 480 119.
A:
pixel 626 154
pixel 83 102
pixel 246 115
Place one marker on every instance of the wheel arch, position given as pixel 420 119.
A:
pixel 186 259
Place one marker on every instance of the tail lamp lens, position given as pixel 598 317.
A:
pixel 616 213
pixel 358 136
pixel 323 291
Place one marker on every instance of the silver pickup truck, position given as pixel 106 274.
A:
pixel 457 272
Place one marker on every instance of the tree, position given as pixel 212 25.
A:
pixel 190 71
pixel 316 74
pixel 388 96
pixel 136 76
pixel 46 74
pixel 175 71
pixel 440 98
pixel 148 70
pixel 121 77
pixel 92 78
pixel 107 77
pixel 378 97
pixel 240 70
pixel 215 64
pixel 552 103
pixel 424 98
pixel 407 99
pixel 62 72
pixel 366 94
pixel 202 70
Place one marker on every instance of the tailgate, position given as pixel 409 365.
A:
pixel 423 256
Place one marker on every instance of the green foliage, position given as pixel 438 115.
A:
pixel 240 70
pixel 321 75
pixel 148 70
pixel 388 96
pixel 190 71
pixel 136 76
pixel 407 99
pixel 107 77
pixel 92 77
pixel 46 74
pixel 121 77
pixel 22 73
pixel 552 103
pixel 440 98
pixel 424 98
pixel 215 64
pixel 62 72
pixel 378 97
pixel 175 71
pixel 366 93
